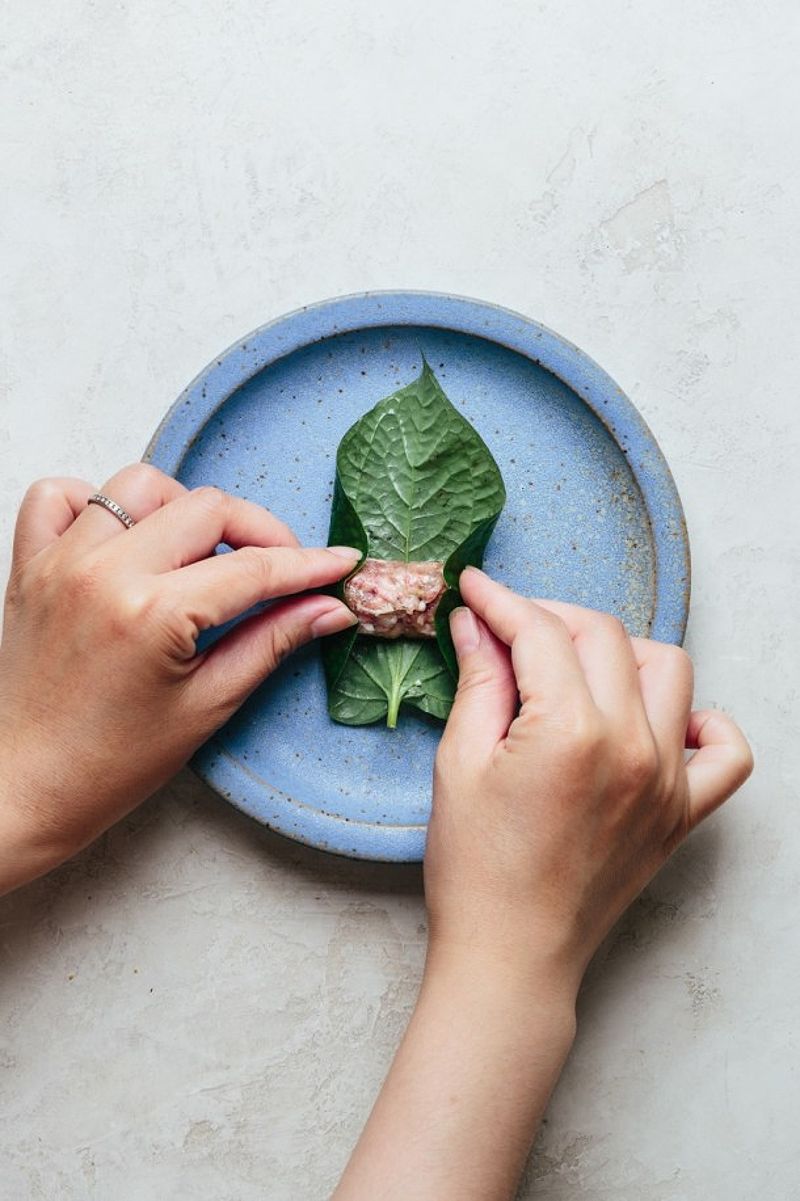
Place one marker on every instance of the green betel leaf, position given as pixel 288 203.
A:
pixel 414 483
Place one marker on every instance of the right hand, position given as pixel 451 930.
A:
pixel 102 693
pixel 561 785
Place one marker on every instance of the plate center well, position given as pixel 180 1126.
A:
pixel 575 527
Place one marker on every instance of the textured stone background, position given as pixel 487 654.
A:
pixel 195 1009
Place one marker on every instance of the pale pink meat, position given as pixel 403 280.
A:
pixel 392 599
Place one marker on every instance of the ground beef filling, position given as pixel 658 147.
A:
pixel 395 600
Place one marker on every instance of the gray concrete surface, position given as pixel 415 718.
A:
pixel 194 1009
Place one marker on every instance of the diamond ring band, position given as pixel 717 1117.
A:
pixel 107 503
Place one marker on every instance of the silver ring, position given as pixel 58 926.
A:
pixel 107 503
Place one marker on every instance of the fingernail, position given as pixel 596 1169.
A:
pixel 332 622
pixel 465 630
pixel 471 570
pixel 345 552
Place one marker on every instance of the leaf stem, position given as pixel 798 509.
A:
pixel 394 698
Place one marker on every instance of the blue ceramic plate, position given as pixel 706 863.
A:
pixel 592 517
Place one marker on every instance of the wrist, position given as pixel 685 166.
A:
pixel 28 846
pixel 490 983
pixel 21 859
pixel 525 956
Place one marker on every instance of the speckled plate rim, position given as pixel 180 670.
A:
pixel 347 314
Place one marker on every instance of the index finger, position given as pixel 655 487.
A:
pixel 224 586
pixel 189 528
pixel 544 659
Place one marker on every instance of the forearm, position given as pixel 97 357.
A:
pixel 461 1104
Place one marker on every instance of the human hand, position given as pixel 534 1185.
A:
pixel 102 696
pixel 548 821
pixel 560 789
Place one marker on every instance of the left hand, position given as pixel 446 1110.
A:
pixel 102 693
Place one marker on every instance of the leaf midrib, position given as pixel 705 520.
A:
pixel 411 505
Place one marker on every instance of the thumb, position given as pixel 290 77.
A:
pixel 241 660
pixel 721 763
pixel 487 697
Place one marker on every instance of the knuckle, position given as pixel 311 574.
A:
pixel 41 490
pixel 544 617
pixel 674 656
pixel 141 474
pixel 117 608
pixel 139 613
pixel 681 657
pixel 587 724
pixel 610 626
pixel 640 764
pixel 746 763
pixel 79 580
pixel 212 498
pixel 605 626
pixel 256 564
pixel 674 660
pixel 532 619
pixel 583 734
pixel 37 579
pixel 136 482
pixel 132 608
pixel 479 677
pixel 682 662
